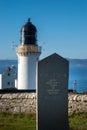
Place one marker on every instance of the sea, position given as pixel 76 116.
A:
pixel 77 72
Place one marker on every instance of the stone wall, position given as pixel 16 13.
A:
pixel 26 102
pixel 18 102
pixel 77 103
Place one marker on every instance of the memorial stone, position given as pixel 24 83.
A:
pixel 52 93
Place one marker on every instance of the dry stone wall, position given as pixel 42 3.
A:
pixel 26 102
pixel 77 103
pixel 18 102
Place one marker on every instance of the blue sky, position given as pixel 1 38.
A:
pixel 61 25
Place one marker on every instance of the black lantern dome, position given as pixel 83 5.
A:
pixel 29 33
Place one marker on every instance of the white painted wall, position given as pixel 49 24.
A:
pixel 7 80
pixel 0 81
pixel 16 83
pixel 27 71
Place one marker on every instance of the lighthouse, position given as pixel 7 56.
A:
pixel 28 53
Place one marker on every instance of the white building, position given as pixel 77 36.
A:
pixel 28 53
pixel 7 79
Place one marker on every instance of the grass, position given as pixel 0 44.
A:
pixel 28 121
pixel 17 121
pixel 78 121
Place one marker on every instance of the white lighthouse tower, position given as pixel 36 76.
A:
pixel 28 53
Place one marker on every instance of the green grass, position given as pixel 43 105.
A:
pixel 78 121
pixel 17 121
pixel 28 121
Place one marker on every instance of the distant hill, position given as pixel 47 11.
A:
pixel 72 62
pixel 78 62
pixel 7 63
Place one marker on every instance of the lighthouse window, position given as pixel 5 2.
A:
pixel 8 83
pixel 8 74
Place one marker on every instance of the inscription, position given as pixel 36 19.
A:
pixel 52 87
pixel 53 91
pixel 53 83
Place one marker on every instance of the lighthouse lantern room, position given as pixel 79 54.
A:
pixel 28 53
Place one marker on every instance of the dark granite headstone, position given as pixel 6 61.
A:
pixel 52 93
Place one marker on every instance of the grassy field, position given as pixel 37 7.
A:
pixel 17 121
pixel 28 121
pixel 78 121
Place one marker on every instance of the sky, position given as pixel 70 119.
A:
pixel 61 26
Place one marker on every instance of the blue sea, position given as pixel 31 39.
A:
pixel 77 71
